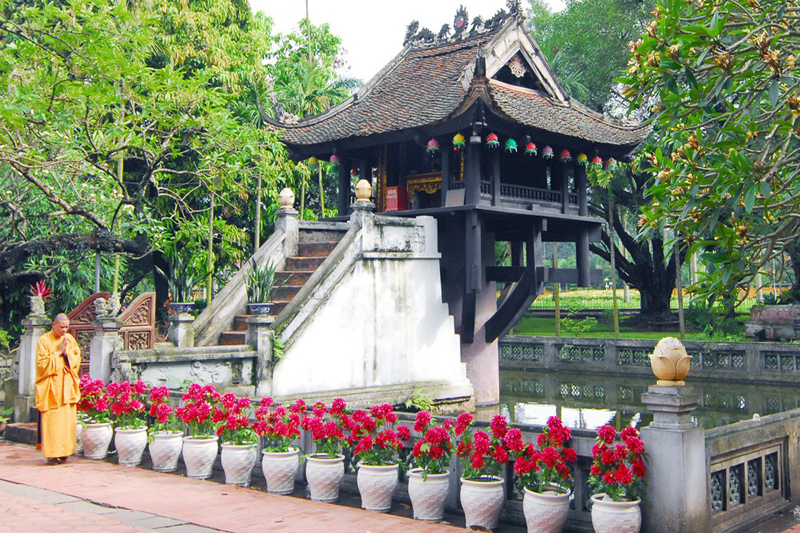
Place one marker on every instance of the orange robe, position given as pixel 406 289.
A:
pixel 57 394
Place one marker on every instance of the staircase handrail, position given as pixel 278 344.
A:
pixel 285 321
pixel 232 299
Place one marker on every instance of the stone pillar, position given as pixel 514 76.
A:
pixel 181 330
pixel 35 326
pixel 105 342
pixel 287 222
pixel 259 336
pixel 677 484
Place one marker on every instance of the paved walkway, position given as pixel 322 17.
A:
pixel 85 496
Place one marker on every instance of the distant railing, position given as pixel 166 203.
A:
pixel 746 361
pixel 531 193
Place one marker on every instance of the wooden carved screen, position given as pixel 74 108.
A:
pixel 139 323
pixel 81 326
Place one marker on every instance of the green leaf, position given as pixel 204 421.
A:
pixel 749 199
pixel 774 93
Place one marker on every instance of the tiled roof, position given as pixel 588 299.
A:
pixel 423 86
pixel 572 119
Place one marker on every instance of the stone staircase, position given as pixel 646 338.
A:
pixel 288 283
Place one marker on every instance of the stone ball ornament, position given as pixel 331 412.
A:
pixel 286 197
pixel 670 362
pixel 363 190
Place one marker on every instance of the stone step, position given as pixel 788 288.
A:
pixel 24 432
pixel 296 278
pixel 316 249
pixel 239 322
pixel 277 307
pixel 303 263
pixel 232 338
pixel 284 293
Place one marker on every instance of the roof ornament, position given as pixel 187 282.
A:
pixel 443 33
pixel 480 65
pixel 514 7
pixel 411 31
pixel 460 22
pixel 477 26
pixel 517 67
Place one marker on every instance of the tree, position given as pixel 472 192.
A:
pixel 720 80
pixel 108 143
pixel 586 45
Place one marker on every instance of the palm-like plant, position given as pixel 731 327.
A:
pixel 259 282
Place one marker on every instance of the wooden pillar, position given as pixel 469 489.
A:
pixel 472 275
pixel 516 253
pixel 344 188
pixel 496 177
pixel 562 170
pixel 533 245
pixel 582 244
pixel 445 174
pixel 472 177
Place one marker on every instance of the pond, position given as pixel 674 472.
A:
pixel 586 401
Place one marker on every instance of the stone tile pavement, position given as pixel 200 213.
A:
pixel 86 496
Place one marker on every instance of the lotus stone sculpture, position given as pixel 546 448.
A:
pixel 670 362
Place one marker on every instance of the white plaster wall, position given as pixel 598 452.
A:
pixel 382 323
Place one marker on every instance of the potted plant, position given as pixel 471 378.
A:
pixel 39 293
pixel 180 283
pixel 238 439
pixel 200 446
pixel 96 433
pixel 376 445
pixel 165 433
pixel 325 467
pixel 278 427
pixel 428 482
pixel 482 458
pixel 130 426
pixel 542 469
pixel 617 477
pixel 259 283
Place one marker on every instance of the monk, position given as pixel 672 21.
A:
pixel 58 358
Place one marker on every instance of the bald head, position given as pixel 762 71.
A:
pixel 60 325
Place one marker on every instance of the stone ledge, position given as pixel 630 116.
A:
pixel 24 432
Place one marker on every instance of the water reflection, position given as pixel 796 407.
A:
pixel 587 402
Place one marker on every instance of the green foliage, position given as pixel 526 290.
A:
pixel 5 340
pixel 720 81
pixel 419 401
pixel 586 43
pixel 259 282
pixel 577 326
pixel 181 279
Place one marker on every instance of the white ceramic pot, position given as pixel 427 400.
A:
pixel 237 462
pixel 376 484
pixel 482 501
pixel 545 512
pixel 609 516
pixel 323 474
pixel 165 451
pixel 95 439
pixel 130 444
pixel 199 454
pixel 280 470
pixel 428 495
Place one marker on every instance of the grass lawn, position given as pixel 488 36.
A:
pixel 546 327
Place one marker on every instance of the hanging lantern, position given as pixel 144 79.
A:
pixel 433 146
pixel 597 162
pixel 511 145
pixel 492 141
pixel 611 164
pixel 582 159
pixel 547 152
pixel 354 173
pixel 530 149
pixel 313 161
pixel 334 161
pixel 458 142
pixel 565 156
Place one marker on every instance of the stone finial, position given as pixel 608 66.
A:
pixel 363 190
pixel 100 307
pixel 37 305
pixel 670 362
pixel 286 198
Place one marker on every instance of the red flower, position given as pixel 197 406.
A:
pixel 607 434
pixel 422 420
pixel 499 426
